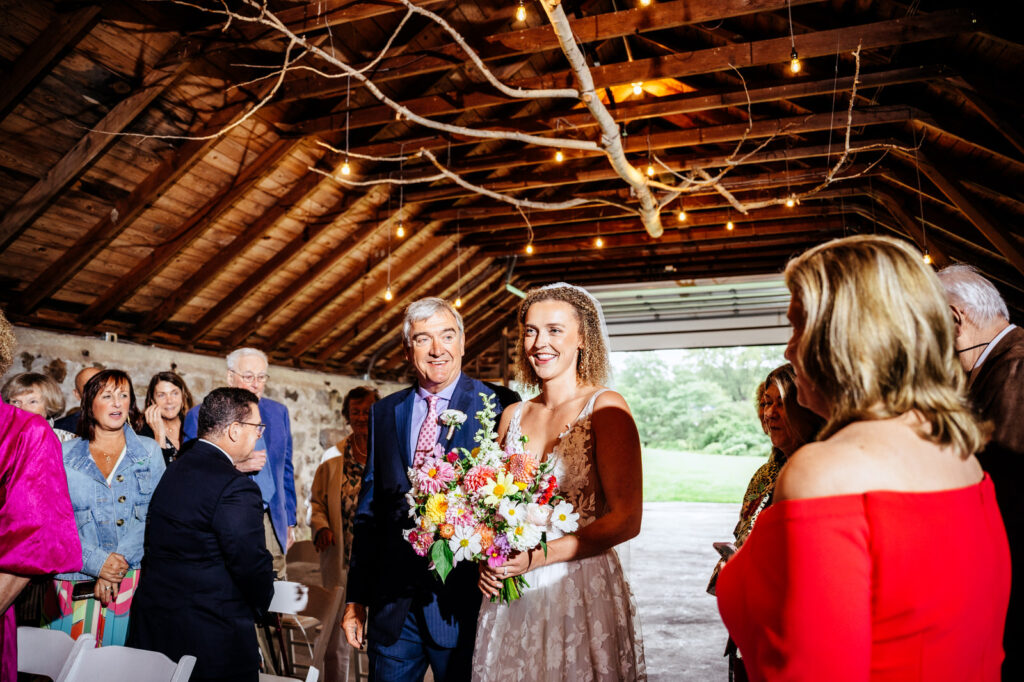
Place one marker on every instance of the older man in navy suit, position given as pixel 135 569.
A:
pixel 414 619
pixel 271 464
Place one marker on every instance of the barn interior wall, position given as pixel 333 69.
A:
pixel 313 398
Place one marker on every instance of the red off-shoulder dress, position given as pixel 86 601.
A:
pixel 877 586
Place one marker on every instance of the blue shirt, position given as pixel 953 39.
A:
pixel 419 410
pixel 264 478
pixel 111 518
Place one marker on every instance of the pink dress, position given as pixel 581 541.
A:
pixel 37 525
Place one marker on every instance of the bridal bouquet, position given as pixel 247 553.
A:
pixel 484 504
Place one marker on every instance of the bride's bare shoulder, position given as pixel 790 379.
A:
pixel 609 398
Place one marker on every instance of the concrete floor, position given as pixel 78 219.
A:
pixel 668 565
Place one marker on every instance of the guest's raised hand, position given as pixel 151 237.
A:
pixel 256 461
pixel 156 422
pixel 114 568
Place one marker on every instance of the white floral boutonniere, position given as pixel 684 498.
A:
pixel 452 419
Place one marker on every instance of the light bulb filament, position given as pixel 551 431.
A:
pixel 521 12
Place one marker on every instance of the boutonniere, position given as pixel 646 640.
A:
pixel 452 419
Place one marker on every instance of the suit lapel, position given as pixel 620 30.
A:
pixel 462 400
pixel 403 417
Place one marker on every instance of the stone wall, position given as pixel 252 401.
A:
pixel 313 398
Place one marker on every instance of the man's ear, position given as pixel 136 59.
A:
pixel 958 317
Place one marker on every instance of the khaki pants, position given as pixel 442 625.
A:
pixel 274 547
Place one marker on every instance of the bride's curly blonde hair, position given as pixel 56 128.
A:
pixel 592 366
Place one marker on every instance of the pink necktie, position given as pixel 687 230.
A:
pixel 428 432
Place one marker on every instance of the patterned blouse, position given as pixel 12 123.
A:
pixel 758 495
pixel 351 482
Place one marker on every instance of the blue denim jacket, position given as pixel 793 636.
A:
pixel 111 518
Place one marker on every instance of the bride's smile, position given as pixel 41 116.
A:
pixel 551 338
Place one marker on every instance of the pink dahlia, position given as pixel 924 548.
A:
pixel 523 467
pixel 477 477
pixel 433 475
pixel 423 543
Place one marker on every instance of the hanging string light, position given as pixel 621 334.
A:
pixel 650 169
pixel 559 156
pixel 458 260
pixel 790 201
pixel 645 3
pixel 387 294
pixel 529 249
pixel 681 215
pixel 400 232
pixel 345 168
pixel 927 257
pixel 729 226
pixel 920 198
pixel 521 11
pixel 638 88
pixel 794 58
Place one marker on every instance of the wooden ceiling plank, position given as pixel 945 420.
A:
pixel 188 232
pixel 945 179
pixel 176 164
pixel 917 28
pixel 425 252
pixel 18 218
pixel 586 29
pixel 208 271
pixel 61 35
pixel 255 280
pixel 341 251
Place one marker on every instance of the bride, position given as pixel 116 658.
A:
pixel 577 620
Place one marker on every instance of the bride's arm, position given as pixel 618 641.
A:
pixel 617 457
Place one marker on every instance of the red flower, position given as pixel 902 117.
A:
pixel 452 456
pixel 549 490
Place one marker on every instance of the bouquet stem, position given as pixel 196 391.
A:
pixel 511 589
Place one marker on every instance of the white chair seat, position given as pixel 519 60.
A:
pixel 49 652
pixel 124 664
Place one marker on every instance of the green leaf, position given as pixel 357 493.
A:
pixel 544 544
pixel 442 556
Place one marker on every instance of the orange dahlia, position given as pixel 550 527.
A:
pixel 523 467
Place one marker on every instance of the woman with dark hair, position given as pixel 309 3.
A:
pixel 333 499
pixel 883 555
pixel 168 400
pixel 112 473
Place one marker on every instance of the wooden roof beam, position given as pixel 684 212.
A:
pixel 255 280
pixel 19 216
pixel 208 271
pixel 945 179
pixel 145 269
pixel 911 226
pixel 62 33
pixel 342 250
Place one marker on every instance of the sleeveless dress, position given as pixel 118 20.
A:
pixel 577 620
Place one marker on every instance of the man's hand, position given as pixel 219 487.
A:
pixel 324 539
pixel 354 624
pixel 253 463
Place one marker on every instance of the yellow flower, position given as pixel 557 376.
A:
pixel 437 507
pixel 502 486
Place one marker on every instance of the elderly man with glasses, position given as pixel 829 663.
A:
pixel 271 462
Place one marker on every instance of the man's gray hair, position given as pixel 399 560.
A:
pixel 424 309
pixel 239 353
pixel 972 293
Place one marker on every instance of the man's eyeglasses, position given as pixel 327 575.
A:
pixel 260 428
pixel 251 378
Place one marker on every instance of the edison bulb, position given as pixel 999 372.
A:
pixel 645 3
pixel 559 156
pixel 650 170
pixel 790 202
pixel 927 258
pixel 345 168
pixel 638 88
pixel 681 215
pixel 458 302
pixel 794 62
pixel 521 12
pixel 729 225
pixel 529 248
pixel 387 294
pixel 400 232
pixel 599 242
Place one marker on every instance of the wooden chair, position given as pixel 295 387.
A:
pixel 302 551
pixel 124 664
pixel 308 612
pixel 49 652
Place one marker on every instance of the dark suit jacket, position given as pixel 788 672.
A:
pixel 997 391
pixel 385 574
pixel 206 573
pixel 278 437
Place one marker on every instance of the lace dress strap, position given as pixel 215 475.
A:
pixel 588 409
pixel 515 429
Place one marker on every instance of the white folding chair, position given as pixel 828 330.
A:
pixel 49 652
pixel 312 611
pixel 124 664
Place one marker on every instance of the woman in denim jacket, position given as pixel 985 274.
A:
pixel 112 473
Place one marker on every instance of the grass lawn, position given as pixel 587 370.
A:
pixel 674 476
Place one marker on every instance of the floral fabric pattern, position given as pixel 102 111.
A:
pixel 351 481
pixel 762 484
pixel 578 619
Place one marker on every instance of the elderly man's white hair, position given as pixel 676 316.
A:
pixel 972 293
pixel 424 309
pixel 239 353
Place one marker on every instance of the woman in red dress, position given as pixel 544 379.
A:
pixel 884 556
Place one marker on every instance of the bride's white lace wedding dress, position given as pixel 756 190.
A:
pixel 577 620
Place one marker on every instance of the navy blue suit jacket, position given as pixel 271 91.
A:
pixel 278 437
pixel 208 575
pixel 385 574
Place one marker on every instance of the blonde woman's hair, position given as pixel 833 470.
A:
pixel 877 338
pixel 49 391
pixel 7 344
pixel 592 365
